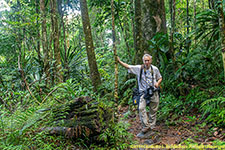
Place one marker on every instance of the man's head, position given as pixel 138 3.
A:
pixel 147 60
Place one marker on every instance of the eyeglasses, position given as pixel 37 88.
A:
pixel 146 60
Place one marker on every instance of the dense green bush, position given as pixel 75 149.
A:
pixel 213 110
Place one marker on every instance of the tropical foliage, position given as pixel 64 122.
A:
pixel 193 76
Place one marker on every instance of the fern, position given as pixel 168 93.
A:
pixel 214 108
pixel 130 81
pixel 33 118
pixel 116 136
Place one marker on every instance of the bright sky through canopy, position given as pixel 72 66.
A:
pixel 4 6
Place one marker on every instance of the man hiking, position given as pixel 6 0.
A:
pixel 149 79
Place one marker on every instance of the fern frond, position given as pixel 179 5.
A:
pixel 215 108
pixel 130 81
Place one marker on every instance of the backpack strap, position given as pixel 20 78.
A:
pixel 152 72
pixel 143 68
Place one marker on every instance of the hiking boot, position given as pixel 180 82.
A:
pixel 145 135
pixel 149 142
pixel 153 127
pixel 140 135
pixel 145 129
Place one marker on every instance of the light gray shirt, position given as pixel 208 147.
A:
pixel 146 79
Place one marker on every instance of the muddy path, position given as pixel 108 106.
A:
pixel 183 130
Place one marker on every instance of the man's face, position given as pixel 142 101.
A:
pixel 147 61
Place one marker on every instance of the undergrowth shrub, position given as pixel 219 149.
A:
pixel 23 128
pixel 198 68
pixel 210 102
pixel 168 106
pixel 194 98
pixel 116 137
pixel 213 110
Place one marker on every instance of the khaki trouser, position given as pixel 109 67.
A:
pixel 154 103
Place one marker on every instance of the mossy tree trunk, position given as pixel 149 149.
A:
pixel 94 74
pixel 188 40
pixel 37 4
pixel 44 40
pixel 172 4
pixel 56 35
pixel 139 51
pixel 154 20
pixel 195 14
pixel 115 57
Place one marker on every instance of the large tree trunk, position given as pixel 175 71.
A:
pixel 222 33
pixel 55 30
pixel 94 74
pixel 172 29
pixel 154 20
pixel 115 57
pixel 44 39
pixel 138 33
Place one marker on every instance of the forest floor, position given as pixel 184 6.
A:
pixel 184 130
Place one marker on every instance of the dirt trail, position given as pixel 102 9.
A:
pixel 185 131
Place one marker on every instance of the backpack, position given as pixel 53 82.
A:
pixel 136 96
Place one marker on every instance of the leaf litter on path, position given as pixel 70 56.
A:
pixel 186 130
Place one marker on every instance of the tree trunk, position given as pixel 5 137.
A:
pixel 115 57
pixel 56 35
pixel 94 74
pixel 37 3
pixel 66 76
pixel 154 20
pixel 195 13
pixel 138 33
pixel 188 39
pixel 172 29
pixel 222 33
pixel 44 39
